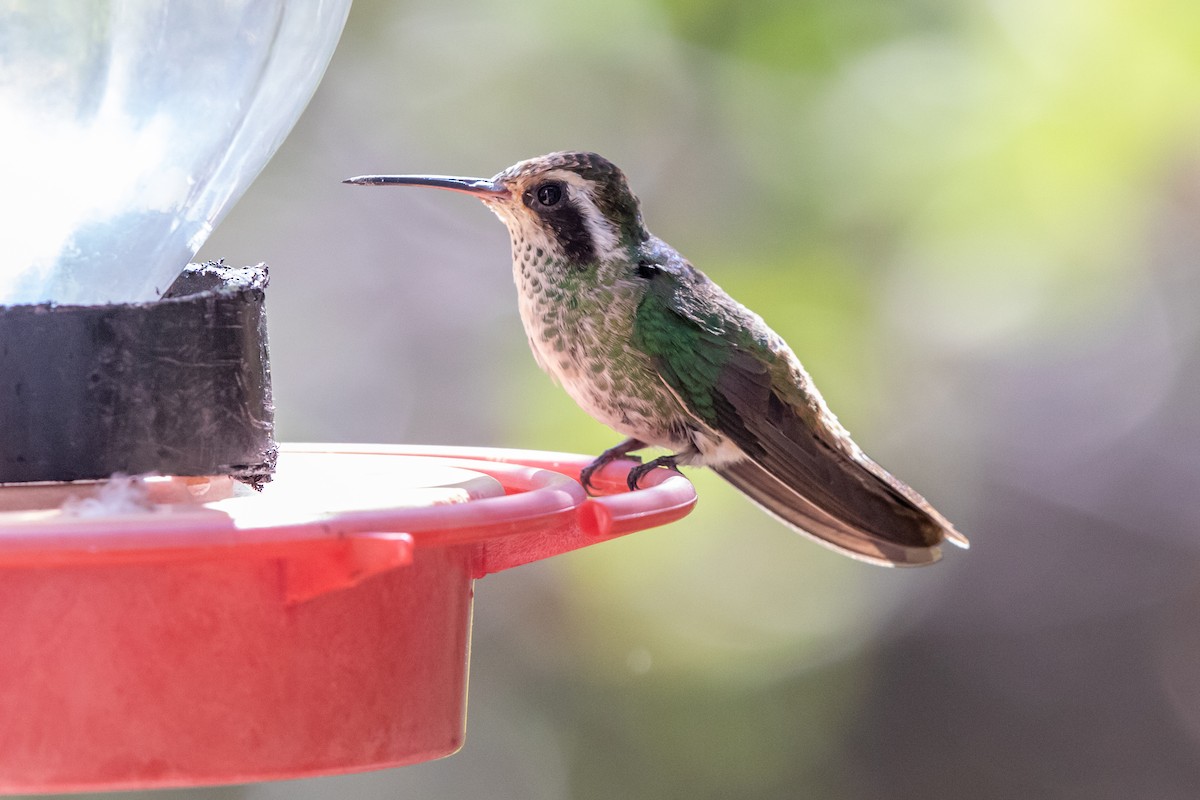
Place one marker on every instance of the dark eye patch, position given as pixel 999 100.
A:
pixel 563 220
pixel 569 228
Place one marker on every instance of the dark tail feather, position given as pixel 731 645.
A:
pixel 904 548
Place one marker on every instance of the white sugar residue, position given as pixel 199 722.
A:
pixel 118 496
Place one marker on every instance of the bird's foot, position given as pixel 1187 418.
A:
pixel 637 473
pixel 608 456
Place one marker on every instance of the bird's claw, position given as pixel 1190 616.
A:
pixel 637 473
pixel 611 454
pixel 585 474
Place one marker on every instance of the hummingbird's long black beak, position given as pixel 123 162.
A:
pixel 480 187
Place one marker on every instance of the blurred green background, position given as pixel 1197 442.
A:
pixel 977 223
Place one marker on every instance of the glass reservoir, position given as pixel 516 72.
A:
pixel 132 126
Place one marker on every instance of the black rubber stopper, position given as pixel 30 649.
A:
pixel 179 386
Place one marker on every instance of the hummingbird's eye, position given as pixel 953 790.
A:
pixel 549 193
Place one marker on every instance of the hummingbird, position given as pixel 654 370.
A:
pixel 646 344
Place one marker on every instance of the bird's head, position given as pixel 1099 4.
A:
pixel 575 207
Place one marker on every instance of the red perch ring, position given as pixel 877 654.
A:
pixel 195 632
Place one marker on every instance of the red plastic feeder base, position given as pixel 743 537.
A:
pixel 183 631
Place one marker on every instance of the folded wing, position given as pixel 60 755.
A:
pixel 800 465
